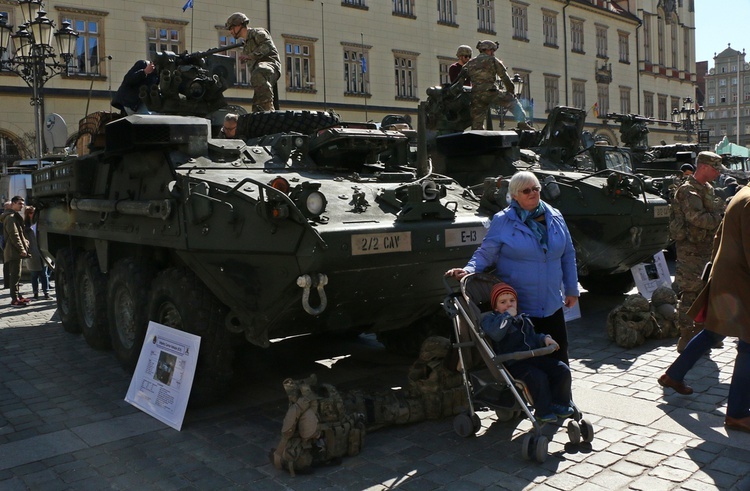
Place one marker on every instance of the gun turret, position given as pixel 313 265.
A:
pixel 186 86
pixel 633 129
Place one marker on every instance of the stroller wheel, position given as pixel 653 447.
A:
pixel 574 432
pixel 587 431
pixel 505 414
pixel 466 424
pixel 526 444
pixel 540 450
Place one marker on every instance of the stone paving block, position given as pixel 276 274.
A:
pixel 650 483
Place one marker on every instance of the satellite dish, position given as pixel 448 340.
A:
pixel 55 132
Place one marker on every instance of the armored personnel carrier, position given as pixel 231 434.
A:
pixel 255 238
pixel 615 222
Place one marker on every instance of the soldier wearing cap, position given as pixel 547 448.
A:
pixel 487 73
pixel 261 56
pixel 463 54
pixel 695 214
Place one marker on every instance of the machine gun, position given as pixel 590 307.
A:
pixel 186 86
pixel 633 129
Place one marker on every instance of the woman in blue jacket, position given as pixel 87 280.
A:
pixel 529 246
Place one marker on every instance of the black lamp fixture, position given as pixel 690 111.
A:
pixel 29 53
pixel 688 118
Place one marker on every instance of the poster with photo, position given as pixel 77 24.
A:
pixel 651 275
pixel 164 374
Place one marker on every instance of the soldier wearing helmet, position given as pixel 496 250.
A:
pixel 487 73
pixel 463 53
pixel 262 59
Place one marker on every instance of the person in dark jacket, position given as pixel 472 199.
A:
pixel 548 379
pixel 127 98
pixel 36 263
pixel 16 249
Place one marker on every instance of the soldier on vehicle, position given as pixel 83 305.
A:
pixel 229 128
pixel 463 53
pixel 695 214
pixel 487 73
pixel 261 56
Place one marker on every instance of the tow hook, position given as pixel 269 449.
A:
pixel 306 282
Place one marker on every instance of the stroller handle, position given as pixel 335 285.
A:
pixel 522 355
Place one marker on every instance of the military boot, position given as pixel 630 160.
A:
pixel 686 334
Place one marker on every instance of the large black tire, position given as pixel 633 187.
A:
pixel 65 290
pixel 127 308
pixel 258 124
pixel 180 300
pixel 609 284
pixel 91 295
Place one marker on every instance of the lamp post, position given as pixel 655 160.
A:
pixel 29 54
pixel 688 118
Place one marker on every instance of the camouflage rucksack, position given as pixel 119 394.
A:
pixel 317 429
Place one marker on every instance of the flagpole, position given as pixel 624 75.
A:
pixel 323 33
pixel 362 69
pixel 192 24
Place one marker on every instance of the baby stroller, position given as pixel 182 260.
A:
pixel 487 381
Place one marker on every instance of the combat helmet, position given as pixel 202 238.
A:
pixel 463 50
pixel 236 19
pixel 487 44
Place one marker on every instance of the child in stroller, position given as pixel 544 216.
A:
pixel 546 378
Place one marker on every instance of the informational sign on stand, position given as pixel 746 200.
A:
pixel 164 375
pixel 651 275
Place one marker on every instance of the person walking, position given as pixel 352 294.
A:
pixel 261 56
pixel 16 249
pixel 695 214
pixel 487 73
pixel 36 264
pixel 529 246
pixel 724 305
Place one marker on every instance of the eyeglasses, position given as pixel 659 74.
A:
pixel 534 189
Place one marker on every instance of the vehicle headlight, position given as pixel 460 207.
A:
pixel 315 204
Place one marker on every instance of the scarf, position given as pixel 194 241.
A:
pixel 529 218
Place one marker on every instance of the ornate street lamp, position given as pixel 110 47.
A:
pixel 518 84
pixel 688 118
pixel 29 54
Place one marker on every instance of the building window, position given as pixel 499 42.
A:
pixel 674 104
pixel 241 72
pixel 625 100
pixel 520 21
pixel 486 16
pixel 675 46
pixel 579 94
pixel 405 71
pixel 712 99
pixel 647 39
pixel 660 40
pixel 443 66
pixel 9 152
pixel 354 3
pixel 355 70
pixel 551 93
pixel 549 22
pixel 164 36
pixel 602 91
pixel 601 42
pixel 686 48
pixel 623 41
pixel 576 35
pixel 89 51
pixel 662 106
pixel 447 12
pixel 300 63
pixel 403 7
pixel 648 104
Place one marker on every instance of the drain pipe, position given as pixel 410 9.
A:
pixel 638 63
pixel 565 48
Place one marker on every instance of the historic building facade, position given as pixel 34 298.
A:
pixel 368 58
pixel 727 98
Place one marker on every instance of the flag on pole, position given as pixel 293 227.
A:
pixel 364 64
pixel 595 107
pixel 188 5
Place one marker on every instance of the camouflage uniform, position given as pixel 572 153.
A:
pixel 696 214
pixel 265 67
pixel 486 72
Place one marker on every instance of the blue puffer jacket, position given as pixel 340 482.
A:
pixel 537 274
pixel 511 334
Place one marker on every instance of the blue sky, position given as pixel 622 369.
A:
pixel 718 22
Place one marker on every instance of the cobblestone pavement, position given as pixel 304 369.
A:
pixel 64 423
